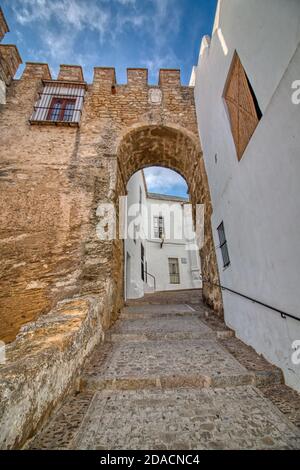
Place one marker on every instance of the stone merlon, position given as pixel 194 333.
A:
pixel 169 78
pixel 3 25
pixel 70 73
pixel 9 62
pixel 34 70
pixel 137 76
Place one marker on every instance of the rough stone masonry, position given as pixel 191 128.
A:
pixel 54 177
pixel 62 287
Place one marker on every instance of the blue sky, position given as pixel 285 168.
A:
pixel 164 181
pixel 118 33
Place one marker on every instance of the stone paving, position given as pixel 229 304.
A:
pixel 228 418
pixel 170 377
pixel 172 327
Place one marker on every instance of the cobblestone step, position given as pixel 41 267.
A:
pixel 167 364
pixel 172 376
pixel 160 328
pixel 190 296
pixel 232 418
pixel 153 311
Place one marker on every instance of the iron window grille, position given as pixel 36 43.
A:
pixel 223 245
pixel 61 109
pixel 59 102
pixel 158 224
pixel 174 271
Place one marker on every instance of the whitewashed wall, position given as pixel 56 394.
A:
pixel 175 245
pixel 134 286
pixel 258 198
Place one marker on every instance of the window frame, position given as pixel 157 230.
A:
pixel 64 102
pixel 177 279
pixel 159 227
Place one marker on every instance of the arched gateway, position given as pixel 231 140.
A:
pixel 178 149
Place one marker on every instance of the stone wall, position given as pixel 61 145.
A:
pixel 52 181
pixel 3 25
pixel 44 363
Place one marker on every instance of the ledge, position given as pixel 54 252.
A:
pixel 78 84
pixel 53 123
pixel 44 363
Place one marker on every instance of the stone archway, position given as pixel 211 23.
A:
pixel 179 150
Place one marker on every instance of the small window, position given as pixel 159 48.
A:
pixel 140 199
pixel 59 103
pixel 174 271
pixel 142 262
pixel 158 225
pixel 61 109
pixel 242 105
pixel 223 245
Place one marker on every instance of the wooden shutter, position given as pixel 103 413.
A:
pixel 242 106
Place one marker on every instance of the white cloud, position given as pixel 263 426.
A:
pixel 127 2
pixel 60 24
pixel 165 181
pixel 71 13
pixel 159 60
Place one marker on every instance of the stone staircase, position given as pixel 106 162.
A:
pixel 172 376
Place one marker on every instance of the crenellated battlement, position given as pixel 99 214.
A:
pixel 104 76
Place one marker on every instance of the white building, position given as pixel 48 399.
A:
pixel 247 91
pixel 160 248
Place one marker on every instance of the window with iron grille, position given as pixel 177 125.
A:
pixel 61 109
pixel 158 225
pixel 223 245
pixel 59 102
pixel 174 271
